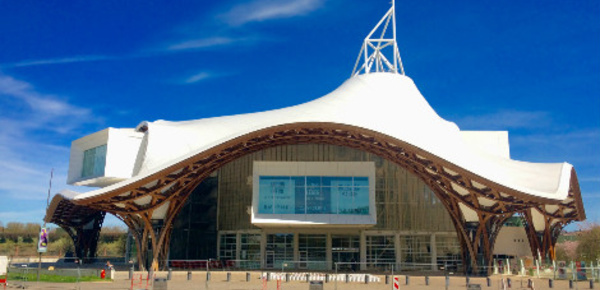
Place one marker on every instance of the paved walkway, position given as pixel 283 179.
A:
pixel 238 281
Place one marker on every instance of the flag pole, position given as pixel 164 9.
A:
pixel 44 226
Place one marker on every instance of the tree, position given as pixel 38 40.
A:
pixel 589 243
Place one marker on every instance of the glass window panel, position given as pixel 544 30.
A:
pixel 313 181
pixel 361 181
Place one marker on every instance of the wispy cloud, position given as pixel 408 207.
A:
pixel 505 119
pixel 262 10
pixel 202 76
pixel 29 119
pixel 74 59
pixel 198 77
pixel 211 42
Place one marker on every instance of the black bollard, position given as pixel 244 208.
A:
pixel 169 274
pixel 426 280
pixel 326 278
pixel 247 277
pixel 189 275
pixel 407 279
pixel 591 284
pixel 387 279
pixel 347 278
pixel 207 276
pixel 287 277
pixel 468 280
pixel 508 283
pixel 307 278
pixel 228 277
pixel 570 284
pixel 489 281
pixel 366 279
pixel 550 283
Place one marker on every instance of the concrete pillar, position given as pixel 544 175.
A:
pixel 433 248
pixel 263 247
pixel 238 246
pixel 296 244
pixel 363 250
pixel 398 249
pixel 328 253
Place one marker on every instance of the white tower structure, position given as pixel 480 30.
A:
pixel 379 52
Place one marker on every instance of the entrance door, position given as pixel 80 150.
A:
pixel 270 259
pixel 345 250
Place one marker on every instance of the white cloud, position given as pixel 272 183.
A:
pixel 74 59
pixel 30 118
pixel 202 43
pixel 262 10
pixel 198 77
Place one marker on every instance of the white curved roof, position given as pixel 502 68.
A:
pixel 387 103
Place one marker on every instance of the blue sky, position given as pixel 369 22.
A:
pixel 68 69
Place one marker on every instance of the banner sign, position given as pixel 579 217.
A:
pixel 43 241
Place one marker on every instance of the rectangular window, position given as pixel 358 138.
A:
pixel 381 253
pixel 94 161
pixel 313 195
pixel 279 249
pixel 312 251
pixel 227 247
pixel 250 251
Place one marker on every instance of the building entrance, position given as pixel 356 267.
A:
pixel 345 249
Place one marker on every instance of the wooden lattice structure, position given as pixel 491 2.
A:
pixel 477 206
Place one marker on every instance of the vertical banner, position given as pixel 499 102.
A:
pixel 581 274
pixel 43 241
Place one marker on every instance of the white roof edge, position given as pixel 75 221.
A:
pixel 393 99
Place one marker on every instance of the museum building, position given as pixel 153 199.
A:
pixel 368 173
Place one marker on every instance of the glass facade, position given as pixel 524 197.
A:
pixel 312 250
pixel 94 161
pixel 250 251
pixel 381 252
pixel 194 234
pixel 220 208
pixel 415 252
pixel 279 249
pixel 227 247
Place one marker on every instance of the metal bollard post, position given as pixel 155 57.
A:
pixel 247 277
pixel 131 273
pixel 591 284
pixel 447 281
pixel 307 278
pixel 207 276
pixel 407 279
pixel 366 279
pixel 387 279
pixel 169 274
pixel 570 284
pixel 488 281
pixel 427 280
pixel 347 278
pixel 228 277
pixel 468 280
pixel 287 277
pixel 508 283
pixel 189 275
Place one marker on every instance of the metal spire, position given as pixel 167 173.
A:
pixel 374 49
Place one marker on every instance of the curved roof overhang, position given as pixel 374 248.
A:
pixel 474 193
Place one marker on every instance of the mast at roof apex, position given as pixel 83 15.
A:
pixel 379 52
